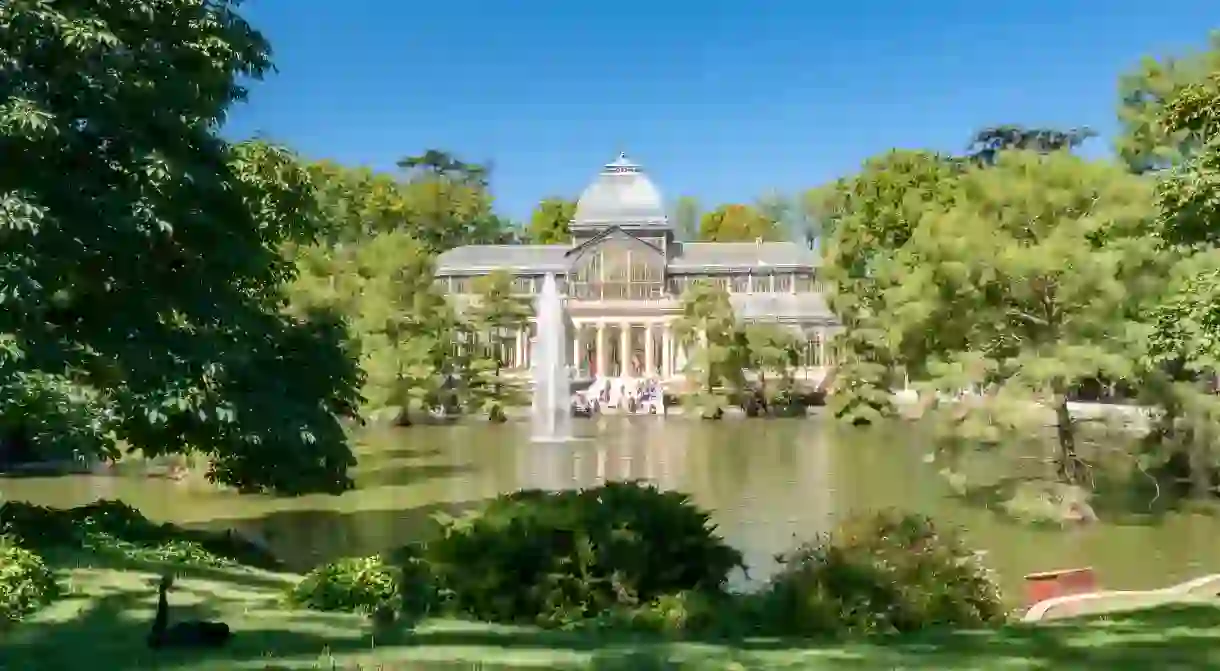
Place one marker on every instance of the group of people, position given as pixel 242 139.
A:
pixel 632 396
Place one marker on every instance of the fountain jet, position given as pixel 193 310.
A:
pixel 552 406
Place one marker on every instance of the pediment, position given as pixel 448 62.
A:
pixel 611 235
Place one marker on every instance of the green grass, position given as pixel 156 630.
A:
pixel 102 622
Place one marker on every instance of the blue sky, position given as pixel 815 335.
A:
pixel 722 100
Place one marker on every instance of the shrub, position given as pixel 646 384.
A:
pixel 417 584
pixel 556 558
pixel 882 573
pixel 112 527
pixel 352 584
pixel 26 584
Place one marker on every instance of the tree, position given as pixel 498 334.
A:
pixel 737 223
pixel 405 328
pixel 494 319
pixel 872 217
pixel 1032 274
pixel 987 143
pixel 141 253
pixel 772 348
pixel 549 222
pixel 440 164
pixel 815 213
pixel 442 203
pixel 1144 143
pixel 778 209
pixel 686 218
pixel 1187 198
pixel 1184 324
pixel 709 328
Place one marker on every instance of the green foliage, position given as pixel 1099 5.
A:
pixel 442 202
pixel 114 181
pixel 114 529
pixel 738 223
pixel 1145 143
pixel 872 216
pixel 1187 196
pixel 549 222
pixel 403 325
pixel 862 388
pixel 988 143
pixel 493 321
pixel 354 584
pixel 709 327
pixel 686 215
pixel 557 558
pixel 26 584
pixel 881 573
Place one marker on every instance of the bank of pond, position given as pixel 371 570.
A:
pixel 620 555
pixel 623 557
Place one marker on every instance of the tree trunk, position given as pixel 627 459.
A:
pixel 1068 462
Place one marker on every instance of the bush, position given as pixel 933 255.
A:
pixel 114 528
pixel 26 584
pixel 557 558
pixel 352 584
pixel 879 574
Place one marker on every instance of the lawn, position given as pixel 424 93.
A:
pixel 102 623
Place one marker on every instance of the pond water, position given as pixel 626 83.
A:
pixel 768 482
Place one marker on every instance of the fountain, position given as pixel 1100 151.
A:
pixel 552 407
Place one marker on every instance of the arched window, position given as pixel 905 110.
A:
pixel 618 270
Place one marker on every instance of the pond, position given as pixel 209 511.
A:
pixel 768 482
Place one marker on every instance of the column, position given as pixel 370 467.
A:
pixel 822 348
pixel 650 368
pixel 601 349
pixel 667 351
pixel 518 350
pixel 576 327
pixel 624 348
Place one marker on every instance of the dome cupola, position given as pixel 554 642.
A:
pixel 622 195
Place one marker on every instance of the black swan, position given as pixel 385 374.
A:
pixel 185 634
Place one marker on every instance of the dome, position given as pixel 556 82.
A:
pixel 622 195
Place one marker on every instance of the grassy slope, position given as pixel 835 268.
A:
pixel 102 624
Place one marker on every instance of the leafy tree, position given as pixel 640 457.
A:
pixel 815 213
pixel 358 202
pixel 549 222
pixel 141 267
pixel 1144 142
pixel 1187 197
pixel 709 328
pixel 442 202
pixel 738 223
pixel 440 164
pixel 494 319
pixel 1034 272
pixel 686 215
pixel 779 209
pixel 987 143
pixel 772 348
pixel 872 216
pixel 1184 335
pixel 405 328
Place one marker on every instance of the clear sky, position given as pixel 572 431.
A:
pixel 722 100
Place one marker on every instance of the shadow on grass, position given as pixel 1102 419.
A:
pixel 109 634
pixel 1168 638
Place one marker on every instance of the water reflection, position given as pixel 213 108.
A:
pixel 767 482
